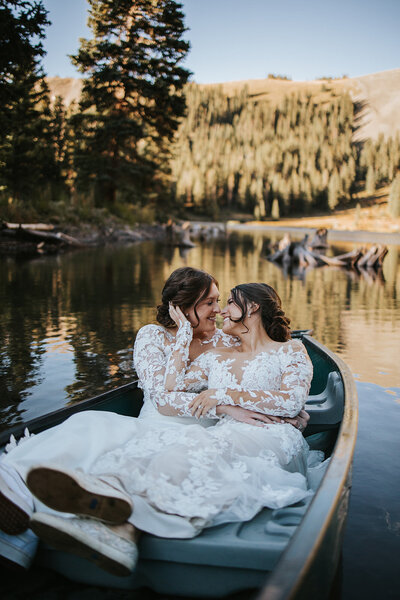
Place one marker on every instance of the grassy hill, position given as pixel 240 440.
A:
pixel 377 93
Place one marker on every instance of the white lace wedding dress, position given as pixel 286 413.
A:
pixel 182 473
pixel 79 441
pixel 183 478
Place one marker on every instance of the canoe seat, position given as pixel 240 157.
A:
pixel 327 407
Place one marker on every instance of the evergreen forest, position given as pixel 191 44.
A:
pixel 142 142
pixel 239 154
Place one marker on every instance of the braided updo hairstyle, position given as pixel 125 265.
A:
pixel 274 320
pixel 185 287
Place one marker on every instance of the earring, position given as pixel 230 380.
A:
pixel 249 314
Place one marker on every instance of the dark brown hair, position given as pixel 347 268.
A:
pixel 274 320
pixel 185 287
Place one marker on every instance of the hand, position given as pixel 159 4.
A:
pixel 177 315
pixel 300 422
pixel 203 403
pixel 244 415
pixel 256 418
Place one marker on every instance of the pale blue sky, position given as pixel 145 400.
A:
pixel 247 39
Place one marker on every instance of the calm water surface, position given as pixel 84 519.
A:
pixel 68 325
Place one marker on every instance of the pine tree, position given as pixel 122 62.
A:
pixel 131 97
pixel 333 191
pixel 275 210
pixel 394 197
pixel 370 181
pixel 26 159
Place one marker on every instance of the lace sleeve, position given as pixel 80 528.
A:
pixel 178 360
pixel 150 364
pixel 291 397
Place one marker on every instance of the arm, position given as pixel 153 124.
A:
pixel 288 401
pixel 252 417
pixel 150 362
pixel 179 373
pixel 178 361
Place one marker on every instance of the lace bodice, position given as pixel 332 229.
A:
pixel 275 382
pixel 152 349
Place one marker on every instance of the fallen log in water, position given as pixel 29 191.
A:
pixel 320 239
pixel 301 253
pixel 179 235
pixel 31 226
pixel 34 239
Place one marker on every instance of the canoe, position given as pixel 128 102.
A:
pixel 289 553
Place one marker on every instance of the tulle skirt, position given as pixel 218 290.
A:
pixel 181 476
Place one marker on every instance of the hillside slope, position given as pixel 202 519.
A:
pixel 378 93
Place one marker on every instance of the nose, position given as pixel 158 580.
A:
pixel 223 311
pixel 217 308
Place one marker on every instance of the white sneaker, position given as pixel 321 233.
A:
pixel 76 492
pixel 87 538
pixel 16 502
pixel 18 551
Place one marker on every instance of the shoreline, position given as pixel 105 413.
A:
pixel 355 235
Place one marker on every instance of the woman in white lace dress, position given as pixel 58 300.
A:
pixel 184 478
pixel 83 438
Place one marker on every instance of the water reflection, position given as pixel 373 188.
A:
pixel 69 322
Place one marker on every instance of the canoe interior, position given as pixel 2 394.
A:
pixel 224 559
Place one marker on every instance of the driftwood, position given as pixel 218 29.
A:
pixel 178 235
pixel 31 226
pixel 300 253
pixel 320 239
pixel 182 235
pixel 37 239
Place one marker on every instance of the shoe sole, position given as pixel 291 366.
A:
pixel 63 492
pixel 13 519
pixel 59 536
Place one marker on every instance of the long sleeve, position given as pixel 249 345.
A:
pixel 178 360
pixel 150 360
pixel 289 399
pixel 286 400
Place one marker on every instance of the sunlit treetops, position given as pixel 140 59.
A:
pixel 242 154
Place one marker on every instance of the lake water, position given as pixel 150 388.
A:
pixel 68 325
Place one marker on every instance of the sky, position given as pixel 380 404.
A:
pixel 233 40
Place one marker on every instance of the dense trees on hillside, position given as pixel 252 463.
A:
pixel 237 153
pixel 129 142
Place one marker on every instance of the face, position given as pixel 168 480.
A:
pixel 206 310
pixel 231 311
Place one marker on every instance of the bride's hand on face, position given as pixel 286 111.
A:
pixel 203 403
pixel 177 315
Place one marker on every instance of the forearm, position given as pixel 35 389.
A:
pixel 178 360
pixel 281 403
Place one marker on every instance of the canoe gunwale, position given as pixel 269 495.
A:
pixel 288 579
pixel 57 416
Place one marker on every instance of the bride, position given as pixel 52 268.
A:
pixel 84 437
pixel 182 479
